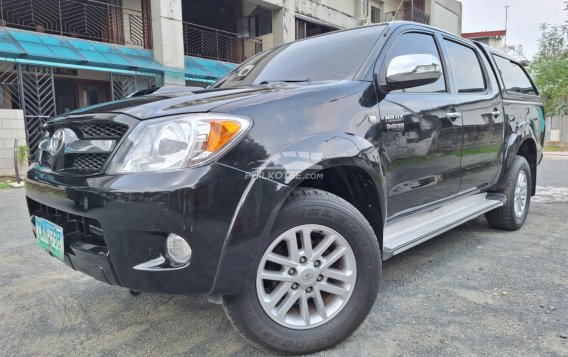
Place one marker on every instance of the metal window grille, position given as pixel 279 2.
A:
pixel 86 19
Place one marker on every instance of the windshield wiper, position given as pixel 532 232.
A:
pixel 285 81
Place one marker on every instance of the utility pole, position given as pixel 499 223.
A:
pixel 506 24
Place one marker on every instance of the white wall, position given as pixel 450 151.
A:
pixel 11 127
pixel 347 7
pixel 324 12
pixel 447 15
pixel 445 19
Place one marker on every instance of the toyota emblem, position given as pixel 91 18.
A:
pixel 57 141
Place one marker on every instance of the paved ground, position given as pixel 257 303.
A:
pixel 471 291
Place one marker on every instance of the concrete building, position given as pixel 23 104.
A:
pixel 494 39
pixel 60 55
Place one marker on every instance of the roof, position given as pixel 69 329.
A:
pixel 60 51
pixel 484 34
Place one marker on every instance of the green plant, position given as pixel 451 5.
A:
pixel 23 154
pixel 550 68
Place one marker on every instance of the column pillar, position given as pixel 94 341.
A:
pixel 284 23
pixel 167 38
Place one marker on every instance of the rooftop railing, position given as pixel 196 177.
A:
pixel 206 42
pixel 86 19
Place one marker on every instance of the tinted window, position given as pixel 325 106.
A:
pixel 514 77
pixel 418 43
pixel 336 56
pixel 466 66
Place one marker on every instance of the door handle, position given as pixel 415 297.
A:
pixel 496 113
pixel 453 116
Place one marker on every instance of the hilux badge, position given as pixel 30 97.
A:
pixel 57 141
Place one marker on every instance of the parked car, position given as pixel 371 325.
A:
pixel 280 190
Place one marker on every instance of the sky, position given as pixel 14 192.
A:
pixel 525 17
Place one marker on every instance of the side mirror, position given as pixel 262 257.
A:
pixel 410 71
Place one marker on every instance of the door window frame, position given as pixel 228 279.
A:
pixel 502 81
pixel 482 65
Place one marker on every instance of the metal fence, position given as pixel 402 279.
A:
pixel 557 131
pixel 408 14
pixel 201 41
pixel 86 19
pixel 32 89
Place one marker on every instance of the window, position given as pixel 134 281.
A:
pixel 260 22
pixel 375 15
pixel 308 29
pixel 514 77
pixel 466 66
pixel 418 43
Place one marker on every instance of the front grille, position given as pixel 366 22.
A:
pixel 94 130
pixel 75 228
pixel 88 162
pixel 102 130
pixel 90 159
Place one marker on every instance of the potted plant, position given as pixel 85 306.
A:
pixel 21 153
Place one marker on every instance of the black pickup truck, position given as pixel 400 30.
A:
pixel 279 190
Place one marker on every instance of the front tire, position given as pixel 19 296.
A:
pixel 517 186
pixel 316 281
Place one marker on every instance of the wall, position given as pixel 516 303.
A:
pixel 267 41
pixel 11 127
pixel 557 131
pixel 447 15
pixel 327 14
pixel 345 6
pixel 389 6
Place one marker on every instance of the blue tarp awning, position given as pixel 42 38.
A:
pixel 206 69
pixel 53 50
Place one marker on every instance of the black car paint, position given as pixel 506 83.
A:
pixel 226 210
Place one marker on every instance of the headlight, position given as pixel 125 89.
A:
pixel 176 142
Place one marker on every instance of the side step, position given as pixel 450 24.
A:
pixel 407 232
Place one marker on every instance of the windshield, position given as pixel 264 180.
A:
pixel 337 56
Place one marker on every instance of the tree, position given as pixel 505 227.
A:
pixel 550 68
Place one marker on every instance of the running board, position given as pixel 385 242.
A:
pixel 407 232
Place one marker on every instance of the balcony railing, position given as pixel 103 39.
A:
pixel 201 41
pixel 86 19
pixel 408 14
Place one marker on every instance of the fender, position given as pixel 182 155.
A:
pixel 271 184
pixel 524 132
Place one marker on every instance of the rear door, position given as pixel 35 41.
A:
pixel 481 109
pixel 421 134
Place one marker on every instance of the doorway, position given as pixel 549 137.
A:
pixel 73 94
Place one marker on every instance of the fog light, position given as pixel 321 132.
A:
pixel 178 250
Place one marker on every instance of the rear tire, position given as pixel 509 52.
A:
pixel 307 326
pixel 517 187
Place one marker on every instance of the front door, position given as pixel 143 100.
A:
pixel 422 135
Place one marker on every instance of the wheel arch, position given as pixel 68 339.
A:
pixel 528 150
pixel 355 185
pixel 520 144
pixel 342 160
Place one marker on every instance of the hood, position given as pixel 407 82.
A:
pixel 179 102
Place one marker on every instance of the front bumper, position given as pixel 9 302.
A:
pixel 114 223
